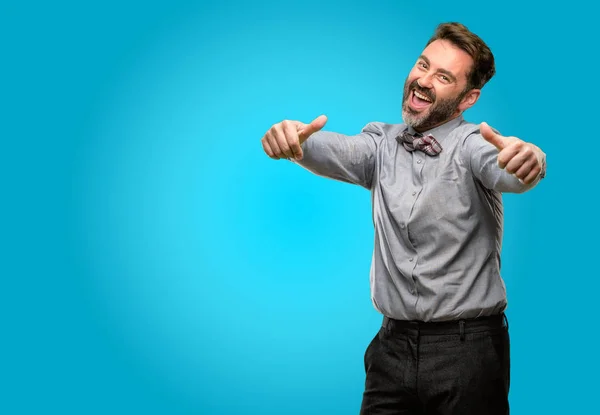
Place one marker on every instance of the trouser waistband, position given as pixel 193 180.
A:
pixel 447 327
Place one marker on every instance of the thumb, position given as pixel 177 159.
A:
pixel 491 137
pixel 313 127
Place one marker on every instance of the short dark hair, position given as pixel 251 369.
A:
pixel 483 60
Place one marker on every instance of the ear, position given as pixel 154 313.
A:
pixel 469 99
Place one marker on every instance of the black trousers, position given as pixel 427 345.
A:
pixel 446 368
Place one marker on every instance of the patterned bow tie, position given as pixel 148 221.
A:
pixel 426 144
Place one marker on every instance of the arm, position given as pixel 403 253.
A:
pixel 504 164
pixel 345 158
pixel 340 157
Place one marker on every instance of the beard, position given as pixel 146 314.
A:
pixel 438 112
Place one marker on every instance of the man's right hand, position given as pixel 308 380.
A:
pixel 284 140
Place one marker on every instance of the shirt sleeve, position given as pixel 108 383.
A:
pixel 349 159
pixel 482 159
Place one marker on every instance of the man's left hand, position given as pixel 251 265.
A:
pixel 516 156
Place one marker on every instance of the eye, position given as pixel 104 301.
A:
pixel 444 78
pixel 422 64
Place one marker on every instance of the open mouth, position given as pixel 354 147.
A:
pixel 419 101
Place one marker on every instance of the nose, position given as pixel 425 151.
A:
pixel 425 82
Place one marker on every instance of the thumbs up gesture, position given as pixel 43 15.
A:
pixel 284 139
pixel 516 156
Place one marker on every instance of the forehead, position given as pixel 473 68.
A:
pixel 442 54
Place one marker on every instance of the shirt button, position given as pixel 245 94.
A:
pixel 402 225
pixel 410 259
pixel 414 193
pixel 418 161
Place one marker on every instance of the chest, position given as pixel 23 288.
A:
pixel 414 183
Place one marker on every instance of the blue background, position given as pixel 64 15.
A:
pixel 154 260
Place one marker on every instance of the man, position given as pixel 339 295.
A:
pixel 436 183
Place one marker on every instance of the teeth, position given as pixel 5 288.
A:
pixel 422 96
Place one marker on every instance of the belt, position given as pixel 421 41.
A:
pixel 461 327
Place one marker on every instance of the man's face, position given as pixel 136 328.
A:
pixel 435 89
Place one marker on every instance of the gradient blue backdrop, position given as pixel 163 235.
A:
pixel 155 261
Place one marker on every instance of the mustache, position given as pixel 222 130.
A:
pixel 427 92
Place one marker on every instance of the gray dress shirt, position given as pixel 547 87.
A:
pixel 438 220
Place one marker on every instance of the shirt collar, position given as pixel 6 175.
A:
pixel 441 131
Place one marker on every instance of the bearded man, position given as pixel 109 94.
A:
pixel 436 184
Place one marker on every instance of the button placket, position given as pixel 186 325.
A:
pixel 418 168
pixel 418 163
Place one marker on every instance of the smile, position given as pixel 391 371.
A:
pixel 419 101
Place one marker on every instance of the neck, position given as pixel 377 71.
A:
pixel 431 127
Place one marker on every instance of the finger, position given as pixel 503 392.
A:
pixel 292 139
pixel 314 126
pixel 282 141
pixel 273 144
pixel 506 155
pixel 533 174
pixel 267 148
pixel 491 137
pixel 523 156
pixel 525 169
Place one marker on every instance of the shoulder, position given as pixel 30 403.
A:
pixel 467 139
pixel 383 130
pixel 465 131
pixel 470 138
